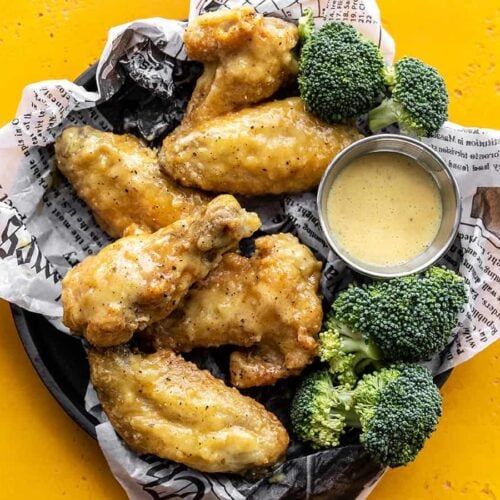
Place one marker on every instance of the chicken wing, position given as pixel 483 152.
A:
pixel 273 148
pixel 247 58
pixel 269 301
pixel 121 181
pixel 140 279
pixel 161 404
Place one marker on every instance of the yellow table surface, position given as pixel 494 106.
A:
pixel 43 454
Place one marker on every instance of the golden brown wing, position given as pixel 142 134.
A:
pixel 288 281
pixel 272 148
pixel 120 180
pixel 247 59
pixel 218 310
pixel 160 404
pixel 140 279
pixel 269 301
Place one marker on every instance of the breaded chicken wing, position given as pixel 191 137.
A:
pixel 273 148
pixel 161 404
pixel 140 279
pixel 120 180
pixel 247 58
pixel 269 301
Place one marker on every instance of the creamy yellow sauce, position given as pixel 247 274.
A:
pixel 384 209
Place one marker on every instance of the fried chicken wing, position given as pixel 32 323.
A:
pixel 161 404
pixel 140 279
pixel 273 148
pixel 247 58
pixel 269 301
pixel 121 181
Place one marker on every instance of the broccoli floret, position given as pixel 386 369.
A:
pixel 318 413
pixel 418 102
pixel 341 73
pixel 346 351
pixel 404 319
pixel 306 25
pixel 408 318
pixel 396 408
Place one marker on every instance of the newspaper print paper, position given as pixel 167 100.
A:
pixel 144 82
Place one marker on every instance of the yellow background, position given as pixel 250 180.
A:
pixel 43 454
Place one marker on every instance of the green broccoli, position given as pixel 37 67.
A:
pixel 341 73
pixel 403 319
pixel 306 25
pixel 318 413
pixel 418 102
pixel 346 351
pixel 396 408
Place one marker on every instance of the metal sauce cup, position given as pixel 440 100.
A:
pixel 426 158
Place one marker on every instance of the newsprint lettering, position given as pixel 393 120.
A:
pixel 27 253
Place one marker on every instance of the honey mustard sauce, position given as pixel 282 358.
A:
pixel 384 209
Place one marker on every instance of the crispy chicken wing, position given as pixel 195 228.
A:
pixel 161 404
pixel 121 181
pixel 140 279
pixel 273 148
pixel 269 301
pixel 247 58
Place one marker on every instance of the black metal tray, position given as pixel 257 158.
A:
pixel 59 359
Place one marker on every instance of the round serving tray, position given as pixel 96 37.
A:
pixel 60 359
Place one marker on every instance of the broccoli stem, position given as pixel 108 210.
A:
pixel 353 342
pixel 344 408
pixel 384 115
pixel 362 349
pixel 364 363
pixel 390 77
